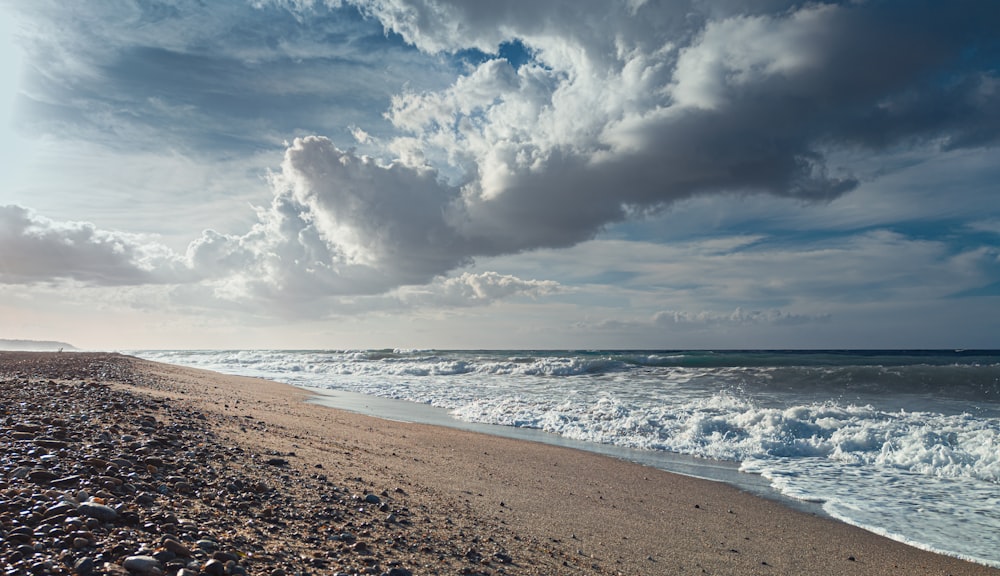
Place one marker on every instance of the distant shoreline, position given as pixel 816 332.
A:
pixel 35 346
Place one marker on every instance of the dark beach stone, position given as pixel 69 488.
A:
pixel 176 547
pixel 84 566
pixel 225 557
pixel 109 482
pixel 143 565
pixel 164 556
pixel 26 550
pixel 214 568
pixel 207 545
pixel 41 476
pixel 21 535
pixel 373 499
pixel 277 462
pixel 399 572
pixel 129 517
pixel 98 511
pixel 20 473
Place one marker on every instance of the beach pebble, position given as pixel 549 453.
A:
pixel 41 476
pixel 59 509
pixel 84 566
pixel 225 557
pixel 19 473
pixel 115 570
pixel 98 511
pixel 143 565
pixel 207 545
pixel 214 568
pixel 176 547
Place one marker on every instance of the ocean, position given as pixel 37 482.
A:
pixel 902 443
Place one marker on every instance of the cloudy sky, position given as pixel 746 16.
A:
pixel 503 174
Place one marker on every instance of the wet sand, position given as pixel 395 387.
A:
pixel 420 499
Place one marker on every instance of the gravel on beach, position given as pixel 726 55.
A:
pixel 99 480
pixel 115 466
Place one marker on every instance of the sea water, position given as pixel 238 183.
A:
pixel 902 443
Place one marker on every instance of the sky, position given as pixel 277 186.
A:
pixel 507 174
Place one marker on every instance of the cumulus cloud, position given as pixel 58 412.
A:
pixel 628 107
pixel 339 224
pixel 620 109
pixel 342 224
pixel 36 249
pixel 470 289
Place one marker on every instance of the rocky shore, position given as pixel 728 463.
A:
pixel 116 466
pixel 98 480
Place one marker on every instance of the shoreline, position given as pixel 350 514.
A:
pixel 456 502
pixel 723 471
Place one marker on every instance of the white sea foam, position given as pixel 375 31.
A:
pixel 918 464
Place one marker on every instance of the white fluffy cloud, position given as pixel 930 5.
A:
pixel 471 289
pixel 36 249
pixel 628 107
pixel 339 224
pixel 342 224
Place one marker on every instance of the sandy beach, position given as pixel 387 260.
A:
pixel 279 485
